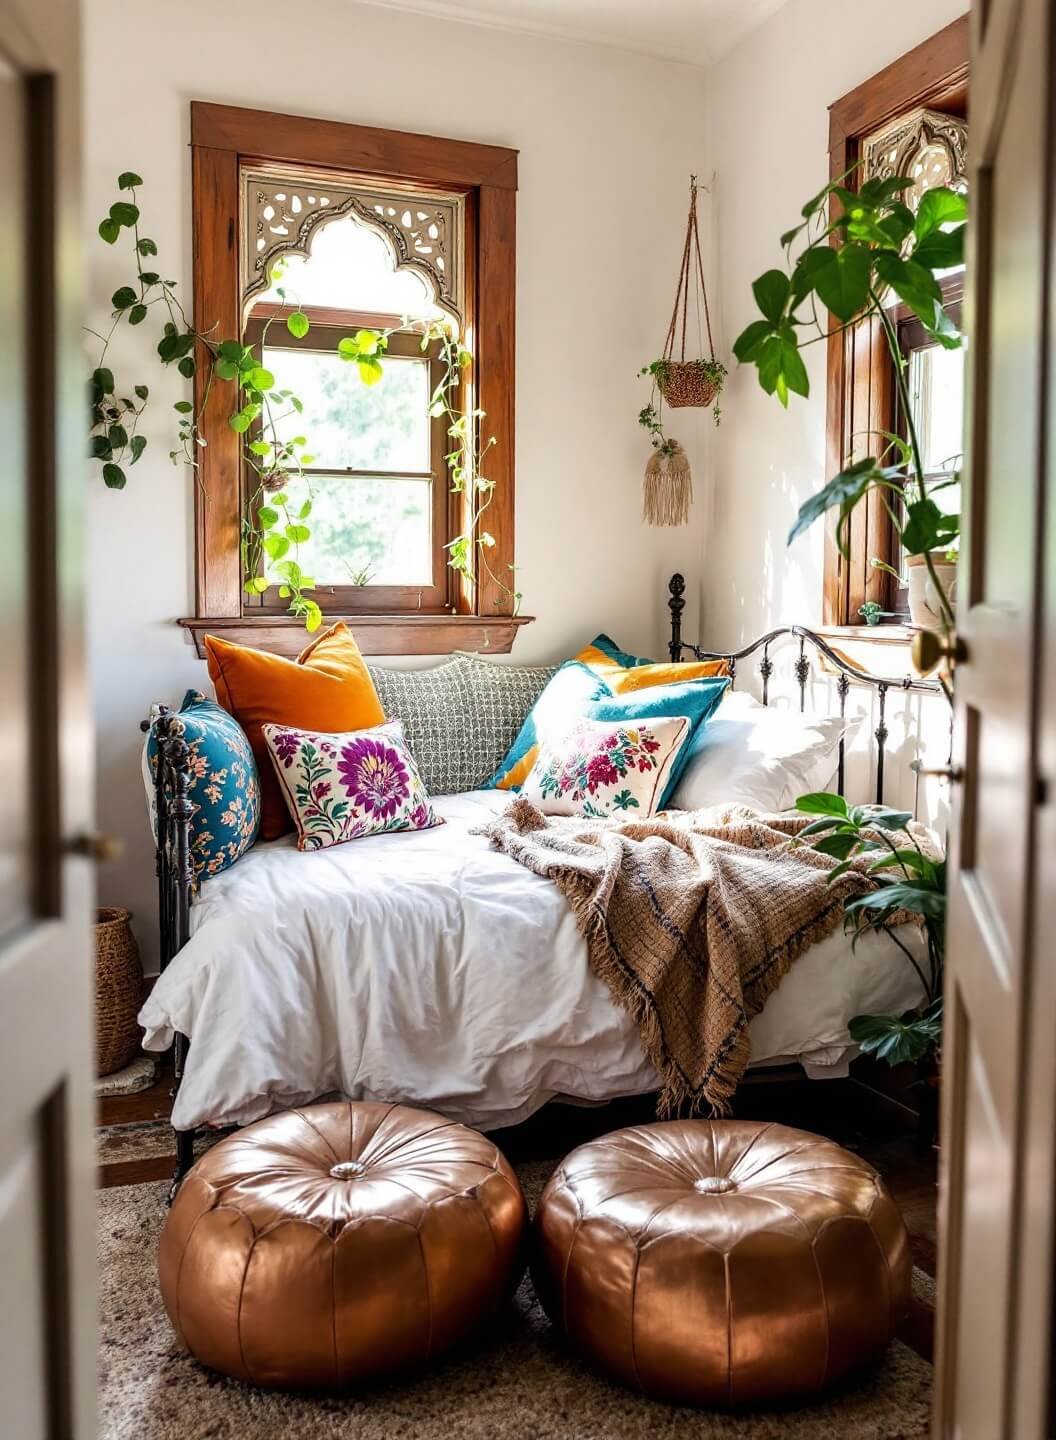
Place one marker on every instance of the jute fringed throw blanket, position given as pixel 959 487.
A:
pixel 691 922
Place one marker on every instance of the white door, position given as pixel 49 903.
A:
pixel 999 1083
pixel 47 1297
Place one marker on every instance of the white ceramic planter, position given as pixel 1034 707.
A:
pixel 923 602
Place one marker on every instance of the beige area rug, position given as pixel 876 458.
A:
pixel 140 1074
pixel 517 1381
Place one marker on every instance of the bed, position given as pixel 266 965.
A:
pixel 427 967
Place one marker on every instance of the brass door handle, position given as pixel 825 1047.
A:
pixel 100 848
pixel 930 650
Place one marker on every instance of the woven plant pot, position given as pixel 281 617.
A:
pixel 686 382
pixel 118 991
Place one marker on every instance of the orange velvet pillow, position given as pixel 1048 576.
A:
pixel 328 687
pixel 622 678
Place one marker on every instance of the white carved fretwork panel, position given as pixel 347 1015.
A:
pixel 928 147
pixel 283 210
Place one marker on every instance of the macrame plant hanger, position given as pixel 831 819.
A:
pixel 668 490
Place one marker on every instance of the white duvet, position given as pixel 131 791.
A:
pixel 429 968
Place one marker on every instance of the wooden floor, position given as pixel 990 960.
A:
pixel 858 1116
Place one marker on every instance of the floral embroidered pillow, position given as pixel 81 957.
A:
pixel 605 767
pixel 343 787
pixel 223 784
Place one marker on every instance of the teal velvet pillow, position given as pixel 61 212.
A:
pixel 224 786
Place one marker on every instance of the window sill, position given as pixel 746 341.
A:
pixel 879 649
pixel 375 634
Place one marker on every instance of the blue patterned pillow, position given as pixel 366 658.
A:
pixel 224 785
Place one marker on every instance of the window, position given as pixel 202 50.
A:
pixel 936 389
pixel 374 230
pixel 908 118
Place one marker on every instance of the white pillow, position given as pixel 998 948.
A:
pixel 606 767
pixel 762 756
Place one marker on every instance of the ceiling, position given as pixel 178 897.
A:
pixel 695 32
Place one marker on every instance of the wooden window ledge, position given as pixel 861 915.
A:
pixel 375 634
pixel 859 645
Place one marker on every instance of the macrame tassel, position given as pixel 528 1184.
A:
pixel 668 489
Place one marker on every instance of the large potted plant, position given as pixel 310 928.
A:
pixel 850 253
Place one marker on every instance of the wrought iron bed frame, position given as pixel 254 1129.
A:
pixel 845 673
pixel 174 807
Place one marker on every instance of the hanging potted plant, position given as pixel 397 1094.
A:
pixel 678 381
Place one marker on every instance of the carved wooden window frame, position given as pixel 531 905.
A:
pixel 224 141
pixel 860 389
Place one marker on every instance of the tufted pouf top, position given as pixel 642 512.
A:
pixel 337 1243
pixel 722 1262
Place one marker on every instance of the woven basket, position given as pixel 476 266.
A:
pixel 686 382
pixel 118 991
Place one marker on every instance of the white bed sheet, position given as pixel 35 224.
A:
pixel 429 968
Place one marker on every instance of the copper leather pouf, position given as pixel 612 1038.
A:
pixel 721 1263
pixel 339 1243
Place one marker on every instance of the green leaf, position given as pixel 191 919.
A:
pixel 225 369
pixel 313 616
pixel 746 346
pixel 129 180
pixel 186 367
pixel 912 283
pixel 146 246
pixel 367 341
pixel 183 407
pixel 113 477
pixel 240 421
pixel 305 510
pixel 101 448
pixel 259 447
pixel 142 391
pixel 267 517
pixel 298 534
pixel 839 846
pixel 230 350
pixel 137 445
pixel 939 207
pixel 843 287
pixel 118 436
pixel 893 1040
pixel 928 528
pixel 149 277
pixel 846 489
pixel 137 314
pixel 902 895
pixel 771 292
pixel 276 546
pixel 884 819
pixel 941 249
pixel 821 802
pixel 808 267
pixel 109 230
pixel 261 379
pixel 256 585
pixel 123 212
pixel 370 371
pixel 124 297
pixel 104 379
pixel 297 324
pixel 347 348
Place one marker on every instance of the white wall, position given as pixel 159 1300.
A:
pixel 607 141
pixel 767 123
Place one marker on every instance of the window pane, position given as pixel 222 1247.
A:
pixel 350 425
pixel 936 388
pixel 377 527
pixel 351 267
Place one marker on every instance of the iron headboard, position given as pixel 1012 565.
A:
pixel 845 673
pixel 174 867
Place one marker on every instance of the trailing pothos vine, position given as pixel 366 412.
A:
pixel 273 527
